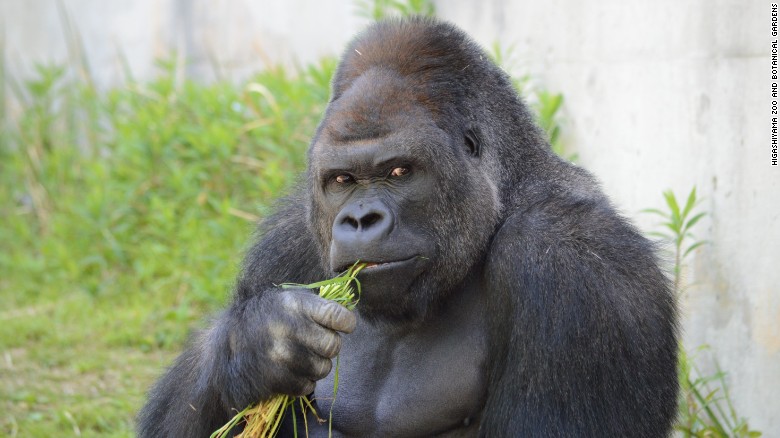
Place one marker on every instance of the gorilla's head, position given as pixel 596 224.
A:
pixel 401 171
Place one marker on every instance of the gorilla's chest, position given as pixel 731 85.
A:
pixel 428 381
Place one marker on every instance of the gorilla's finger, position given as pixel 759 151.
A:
pixel 300 387
pixel 329 314
pixel 323 342
pixel 321 368
pixel 309 366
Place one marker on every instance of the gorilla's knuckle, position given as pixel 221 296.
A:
pixel 348 323
pixel 280 352
pixel 331 346
pixel 279 331
pixel 331 314
pixel 290 301
pixel 305 387
pixel 321 368
pixel 334 316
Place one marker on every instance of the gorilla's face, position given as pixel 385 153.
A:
pixel 393 189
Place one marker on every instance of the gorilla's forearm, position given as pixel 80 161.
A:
pixel 186 401
pixel 218 375
pixel 231 364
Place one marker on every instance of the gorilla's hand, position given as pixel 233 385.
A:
pixel 282 342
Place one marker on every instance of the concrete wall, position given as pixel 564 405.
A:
pixel 228 38
pixel 658 95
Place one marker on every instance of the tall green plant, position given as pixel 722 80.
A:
pixel 705 408
pixel 678 224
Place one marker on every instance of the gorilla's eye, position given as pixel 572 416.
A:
pixel 341 179
pixel 399 171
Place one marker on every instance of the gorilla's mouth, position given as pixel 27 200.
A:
pixel 371 266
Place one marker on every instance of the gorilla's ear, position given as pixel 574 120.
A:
pixel 471 140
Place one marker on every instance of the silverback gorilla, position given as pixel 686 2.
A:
pixel 504 295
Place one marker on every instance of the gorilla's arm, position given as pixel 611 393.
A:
pixel 225 368
pixel 590 345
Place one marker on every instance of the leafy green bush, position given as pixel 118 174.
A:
pixel 167 172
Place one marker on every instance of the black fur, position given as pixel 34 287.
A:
pixel 521 303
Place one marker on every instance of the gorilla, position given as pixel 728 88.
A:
pixel 504 295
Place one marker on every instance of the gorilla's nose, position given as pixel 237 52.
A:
pixel 362 223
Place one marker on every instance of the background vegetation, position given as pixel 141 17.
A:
pixel 125 215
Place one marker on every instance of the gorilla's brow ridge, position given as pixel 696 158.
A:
pixel 350 136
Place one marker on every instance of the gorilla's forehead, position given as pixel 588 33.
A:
pixel 379 118
pixel 378 103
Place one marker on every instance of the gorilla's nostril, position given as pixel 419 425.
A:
pixel 370 219
pixel 373 221
pixel 351 222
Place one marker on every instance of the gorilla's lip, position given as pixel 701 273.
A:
pixel 372 266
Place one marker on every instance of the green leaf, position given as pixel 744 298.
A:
pixel 660 235
pixel 549 104
pixel 554 133
pixel 674 227
pixel 655 211
pixel 671 201
pixel 335 280
pixel 690 202
pixel 693 247
pixel 693 220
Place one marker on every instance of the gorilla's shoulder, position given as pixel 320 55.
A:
pixel 557 216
